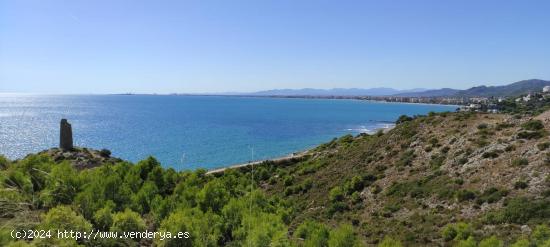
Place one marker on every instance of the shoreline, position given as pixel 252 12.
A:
pixel 288 157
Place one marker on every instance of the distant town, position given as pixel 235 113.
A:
pixel 491 104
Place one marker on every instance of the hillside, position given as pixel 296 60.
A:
pixel 439 180
pixel 514 89
pixel 509 90
pixel 427 173
pixel 430 93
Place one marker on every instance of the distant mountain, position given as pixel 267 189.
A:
pixel 430 93
pixel 381 91
pixel 514 89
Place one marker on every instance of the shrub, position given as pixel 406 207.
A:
pixel 510 148
pixel 390 242
pixel 465 195
pixel 336 194
pixel 533 125
pixel 64 218
pixel 491 195
pixel 490 154
pixel 288 180
pixel 540 235
pixel 470 242
pixel 434 141
pixel 406 158
pixel 3 162
pixel 106 153
pixel 482 126
pixel 342 236
pixel 520 210
pixel 543 146
pixel 520 185
pixel 520 162
pixel 521 243
pixel 436 161
pixel 336 207
pixel 530 135
pixel 355 197
pixel 448 233
pixel 458 231
pixel 313 233
pixel 491 242
pixel 501 126
pixel 127 221
pixel 403 118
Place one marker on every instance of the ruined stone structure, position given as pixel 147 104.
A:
pixel 65 135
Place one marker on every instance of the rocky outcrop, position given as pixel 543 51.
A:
pixel 81 158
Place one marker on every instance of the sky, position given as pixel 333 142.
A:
pixel 120 46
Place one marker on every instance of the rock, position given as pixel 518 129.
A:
pixel 525 229
pixel 65 135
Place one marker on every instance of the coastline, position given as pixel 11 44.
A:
pixel 289 157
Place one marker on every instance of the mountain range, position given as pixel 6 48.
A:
pixel 513 89
pixel 380 91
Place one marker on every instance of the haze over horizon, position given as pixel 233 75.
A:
pixel 246 46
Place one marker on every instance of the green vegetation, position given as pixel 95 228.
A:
pixel 424 183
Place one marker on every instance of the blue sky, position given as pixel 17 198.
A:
pixel 121 46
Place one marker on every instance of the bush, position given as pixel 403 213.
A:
pixel 543 146
pixel 462 161
pixel 520 162
pixel 336 207
pixel 491 242
pixel 465 195
pixel 490 154
pixel 482 126
pixel 458 231
pixel 390 242
pixel 288 180
pixel 336 194
pixel 533 125
pixel 406 158
pixel 540 235
pixel 470 242
pixel 313 233
pixel 127 221
pixel 403 118
pixel 520 185
pixel 64 218
pixel 530 135
pixel 343 236
pixel 448 233
pixel 520 210
pixel 3 162
pixel 491 195
pixel 106 153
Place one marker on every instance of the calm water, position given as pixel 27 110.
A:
pixel 187 132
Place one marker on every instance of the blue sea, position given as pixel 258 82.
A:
pixel 190 132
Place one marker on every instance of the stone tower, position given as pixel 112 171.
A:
pixel 65 135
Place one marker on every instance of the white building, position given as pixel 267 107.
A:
pixel 546 89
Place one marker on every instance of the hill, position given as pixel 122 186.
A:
pixel 510 90
pixel 438 180
pixel 514 89
pixel 430 93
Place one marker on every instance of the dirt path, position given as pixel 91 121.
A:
pixel 276 160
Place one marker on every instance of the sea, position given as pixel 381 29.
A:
pixel 191 132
